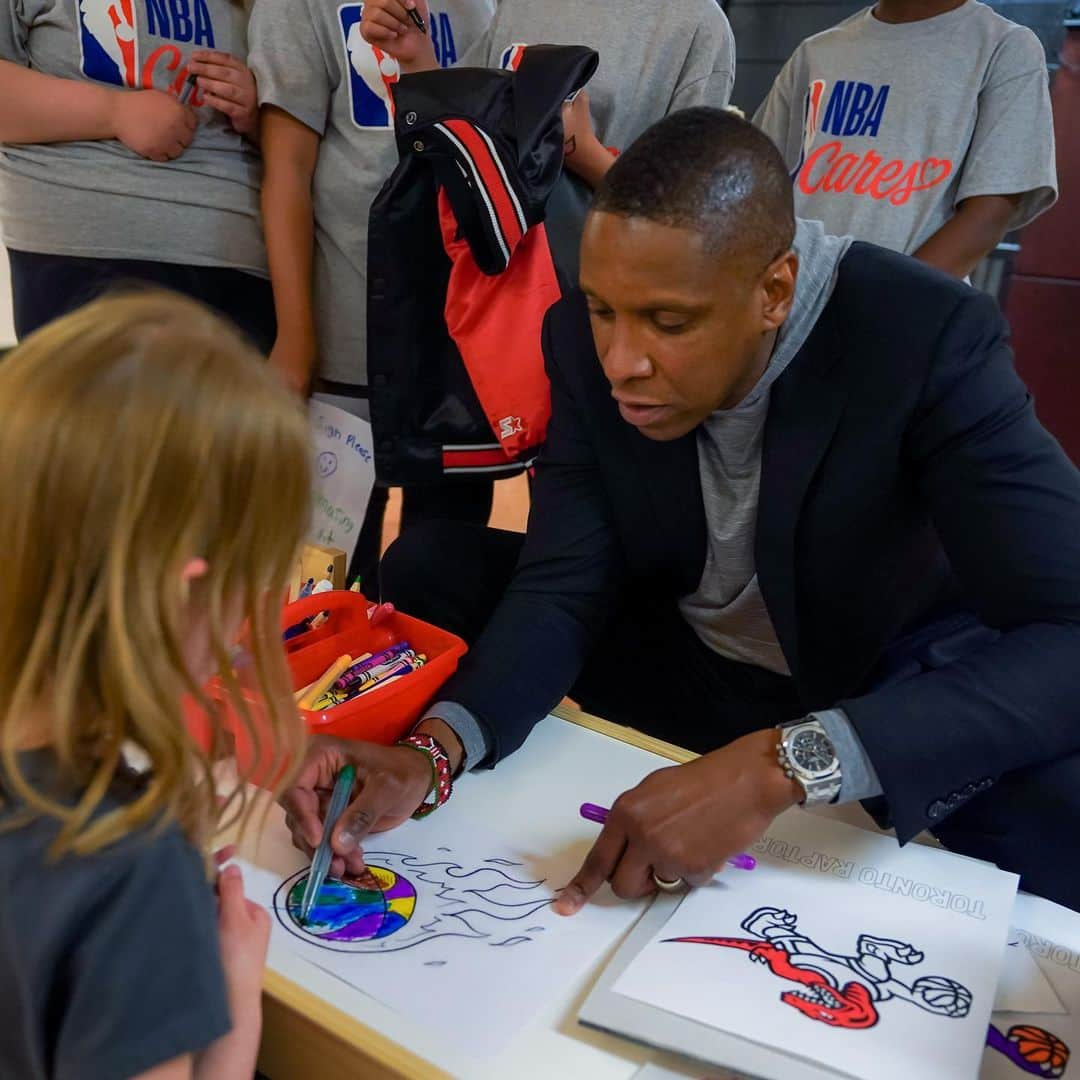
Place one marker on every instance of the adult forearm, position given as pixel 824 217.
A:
pixel 41 108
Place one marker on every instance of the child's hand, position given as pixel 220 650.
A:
pixel 153 124
pixel 578 131
pixel 244 933
pixel 293 359
pixel 386 25
pixel 244 930
pixel 228 86
pixel 583 153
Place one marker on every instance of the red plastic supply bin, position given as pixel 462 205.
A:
pixel 382 715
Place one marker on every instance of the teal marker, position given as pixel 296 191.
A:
pixel 321 863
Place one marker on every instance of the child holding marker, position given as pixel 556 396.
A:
pixel 128 156
pixel 132 426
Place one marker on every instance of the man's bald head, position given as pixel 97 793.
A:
pixel 713 173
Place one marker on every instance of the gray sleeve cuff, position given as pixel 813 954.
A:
pixel 859 780
pixel 466 727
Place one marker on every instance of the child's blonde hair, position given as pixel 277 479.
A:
pixel 137 434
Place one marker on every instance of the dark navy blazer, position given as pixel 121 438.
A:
pixel 905 482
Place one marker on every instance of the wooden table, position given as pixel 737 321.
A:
pixel 304 1036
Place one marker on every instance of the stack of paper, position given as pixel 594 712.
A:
pixel 841 954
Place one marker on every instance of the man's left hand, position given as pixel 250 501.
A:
pixel 686 821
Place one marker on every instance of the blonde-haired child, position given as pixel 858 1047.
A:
pixel 153 492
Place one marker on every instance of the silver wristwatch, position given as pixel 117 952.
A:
pixel 807 754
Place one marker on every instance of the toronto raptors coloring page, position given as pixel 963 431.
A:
pixel 840 948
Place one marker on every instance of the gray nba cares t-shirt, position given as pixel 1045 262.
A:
pixel 100 199
pixel 109 962
pixel 887 127
pixel 311 61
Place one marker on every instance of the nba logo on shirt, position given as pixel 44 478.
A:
pixel 811 120
pixel 371 74
pixel 109 41
pixel 511 57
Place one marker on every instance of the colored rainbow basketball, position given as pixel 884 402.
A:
pixel 351 910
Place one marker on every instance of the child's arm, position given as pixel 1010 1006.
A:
pixel 245 935
pixel 1008 173
pixel 177 1069
pixel 386 25
pixel 290 150
pixel 583 153
pixel 43 108
pixel 970 234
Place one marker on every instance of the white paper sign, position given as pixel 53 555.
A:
pixel 344 475
pixel 841 948
pixel 457 933
pixel 1023 1042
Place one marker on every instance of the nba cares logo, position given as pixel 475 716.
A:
pixel 109 41
pixel 371 74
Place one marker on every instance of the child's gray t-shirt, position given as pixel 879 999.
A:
pixel 110 962
pixel 100 199
pixel 311 61
pixel 887 127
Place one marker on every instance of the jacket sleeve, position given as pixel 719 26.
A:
pixel 563 591
pixel 1006 504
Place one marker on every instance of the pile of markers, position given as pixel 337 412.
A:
pixel 348 678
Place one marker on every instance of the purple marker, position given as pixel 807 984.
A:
pixel 599 814
pixel 359 671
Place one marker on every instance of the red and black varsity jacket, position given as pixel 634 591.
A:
pixel 460 275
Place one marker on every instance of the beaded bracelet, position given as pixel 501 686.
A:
pixel 441 784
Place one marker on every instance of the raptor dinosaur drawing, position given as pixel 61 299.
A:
pixel 833 988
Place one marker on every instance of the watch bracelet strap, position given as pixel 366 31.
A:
pixel 809 796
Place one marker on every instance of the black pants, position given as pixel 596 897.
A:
pixel 44 287
pixel 461 499
pixel 652 673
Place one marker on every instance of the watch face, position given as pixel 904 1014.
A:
pixel 812 752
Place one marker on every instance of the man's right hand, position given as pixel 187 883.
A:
pixel 153 124
pixel 386 25
pixel 391 783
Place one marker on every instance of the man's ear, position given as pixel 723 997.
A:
pixel 778 290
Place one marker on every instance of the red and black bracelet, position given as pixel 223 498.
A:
pixel 441 783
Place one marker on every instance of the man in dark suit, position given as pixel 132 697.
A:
pixel 790 480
